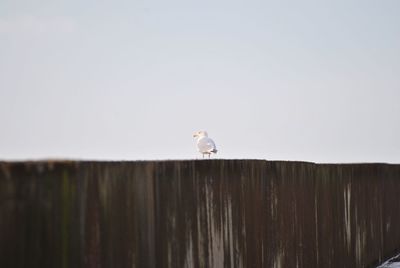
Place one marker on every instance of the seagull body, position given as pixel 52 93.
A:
pixel 205 145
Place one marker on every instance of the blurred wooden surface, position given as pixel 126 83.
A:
pixel 211 213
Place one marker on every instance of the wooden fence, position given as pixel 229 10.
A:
pixel 211 213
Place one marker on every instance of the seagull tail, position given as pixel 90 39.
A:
pixel 214 151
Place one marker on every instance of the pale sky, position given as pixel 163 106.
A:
pixel 128 80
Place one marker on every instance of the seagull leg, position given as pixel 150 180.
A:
pixel 209 156
pixel 203 156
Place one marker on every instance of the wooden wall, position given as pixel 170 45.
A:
pixel 200 213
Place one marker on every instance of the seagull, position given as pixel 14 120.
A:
pixel 205 145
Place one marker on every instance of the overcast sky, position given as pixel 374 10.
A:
pixel 128 80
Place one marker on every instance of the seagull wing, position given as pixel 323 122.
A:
pixel 206 145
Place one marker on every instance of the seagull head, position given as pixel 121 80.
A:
pixel 199 134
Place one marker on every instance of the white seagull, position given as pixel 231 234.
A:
pixel 205 145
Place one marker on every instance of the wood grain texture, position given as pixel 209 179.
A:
pixel 211 213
